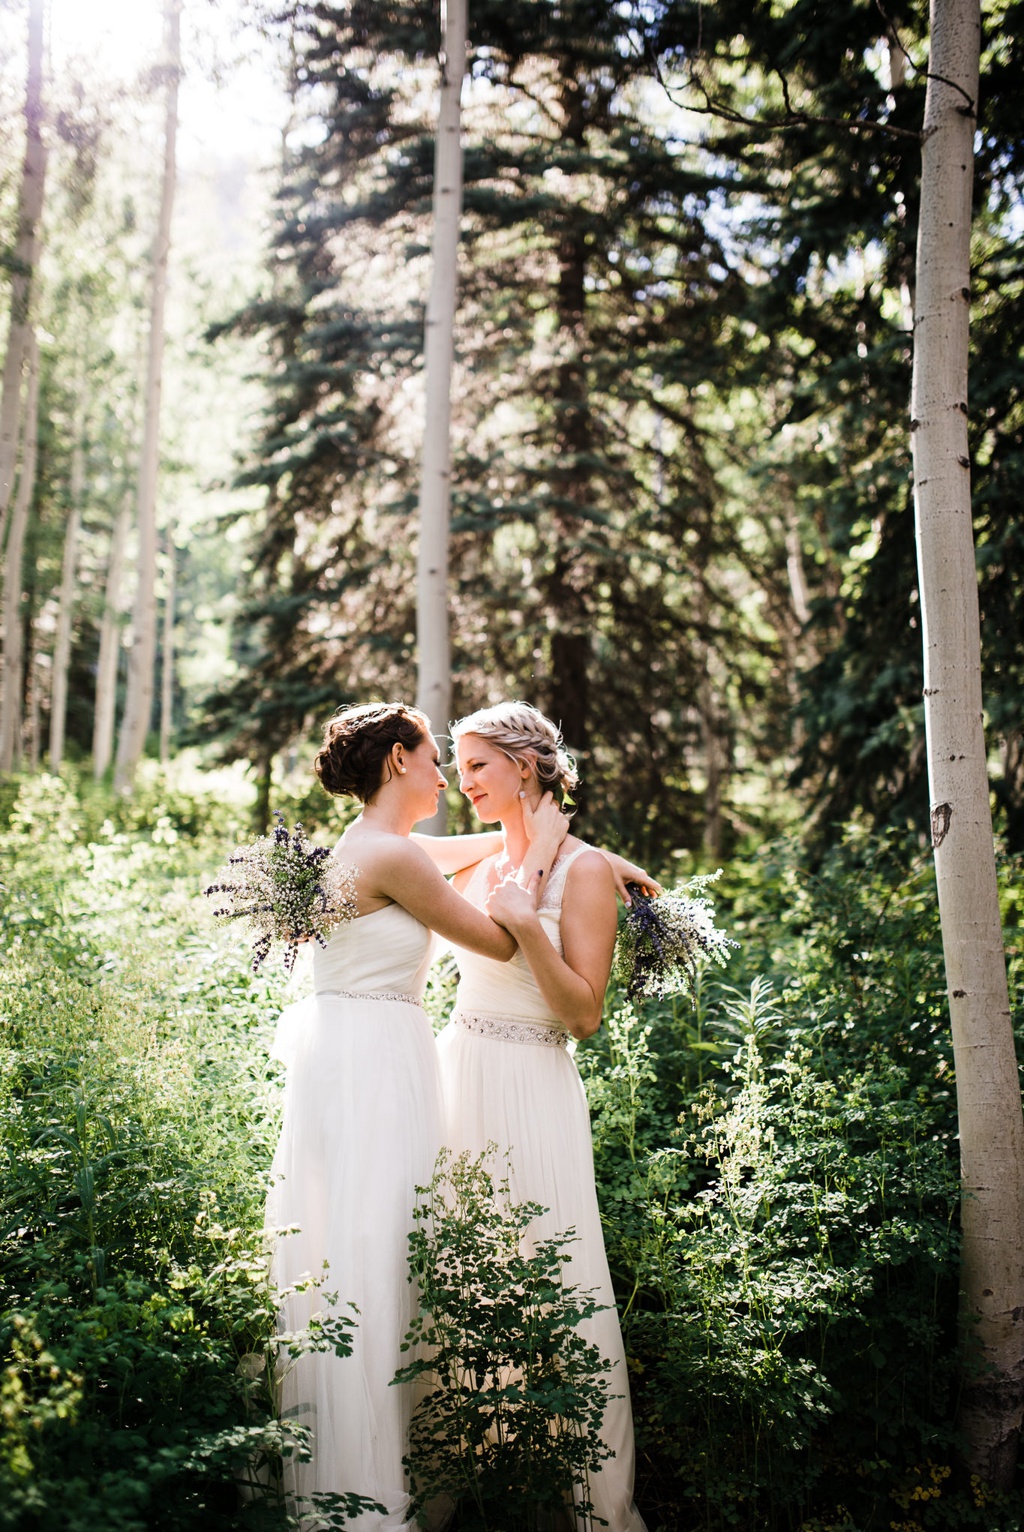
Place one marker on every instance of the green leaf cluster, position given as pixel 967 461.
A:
pixel 507 1428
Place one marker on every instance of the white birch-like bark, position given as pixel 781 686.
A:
pixel 139 695
pixel 35 708
pixel 433 688
pixel 988 1086
pixel 167 672
pixel 62 641
pixel 110 645
pixel 23 263
pixel 13 677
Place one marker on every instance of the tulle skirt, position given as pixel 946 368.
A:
pixel 528 1098
pixel 361 1130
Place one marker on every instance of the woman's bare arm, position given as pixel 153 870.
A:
pixel 393 869
pixel 574 984
pixel 451 853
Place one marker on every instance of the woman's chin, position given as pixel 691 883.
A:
pixel 485 814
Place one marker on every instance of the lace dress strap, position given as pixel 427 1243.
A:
pixel 551 898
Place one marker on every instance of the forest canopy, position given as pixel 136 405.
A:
pixel 681 487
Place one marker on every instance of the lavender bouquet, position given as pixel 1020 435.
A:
pixel 663 941
pixel 287 890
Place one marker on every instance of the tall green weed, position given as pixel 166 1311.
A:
pixel 137 1112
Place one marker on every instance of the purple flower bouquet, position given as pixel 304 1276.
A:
pixel 664 941
pixel 287 890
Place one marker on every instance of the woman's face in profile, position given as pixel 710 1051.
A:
pixel 423 774
pixel 489 778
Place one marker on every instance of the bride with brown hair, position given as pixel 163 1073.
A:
pixel 507 1068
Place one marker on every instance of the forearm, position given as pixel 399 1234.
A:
pixel 451 853
pixel 537 864
pixel 571 997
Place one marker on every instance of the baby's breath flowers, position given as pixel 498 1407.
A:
pixel 663 941
pixel 287 890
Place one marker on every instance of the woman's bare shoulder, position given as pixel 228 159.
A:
pixel 589 869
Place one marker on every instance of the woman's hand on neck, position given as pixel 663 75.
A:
pixel 542 827
pixel 517 825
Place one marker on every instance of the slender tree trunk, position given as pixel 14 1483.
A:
pixel 264 766
pixel 62 642
pixel 433 689
pixel 35 703
pixel 23 263
pixel 110 645
pixel 167 671
pixel 568 588
pixel 13 677
pixel 139 697
pixel 715 748
pixel 988 1086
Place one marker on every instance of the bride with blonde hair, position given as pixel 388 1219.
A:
pixel 507 1068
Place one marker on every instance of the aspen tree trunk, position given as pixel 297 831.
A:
pixel 433 690
pixel 23 262
pixel 139 696
pixel 110 646
pixel 11 695
pixel 988 1087
pixel 35 706
pixel 62 642
pixel 167 672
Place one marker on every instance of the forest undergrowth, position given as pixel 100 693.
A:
pixel 777 1169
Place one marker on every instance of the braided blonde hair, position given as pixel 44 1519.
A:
pixel 522 733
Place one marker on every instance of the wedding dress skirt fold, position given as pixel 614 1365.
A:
pixel 509 1077
pixel 361 1130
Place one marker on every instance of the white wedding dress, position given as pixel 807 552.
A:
pixel 361 1130
pixel 509 1077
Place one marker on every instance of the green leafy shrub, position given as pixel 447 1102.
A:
pixel 778 1172
pixel 508 1428
pixel 776 1166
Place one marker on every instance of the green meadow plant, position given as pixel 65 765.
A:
pixel 506 1430
pixel 776 1163
pixel 778 1172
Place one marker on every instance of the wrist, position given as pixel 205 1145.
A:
pixel 541 855
pixel 521 924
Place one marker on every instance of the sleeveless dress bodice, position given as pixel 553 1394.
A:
pixel 509 991
pixel 386 952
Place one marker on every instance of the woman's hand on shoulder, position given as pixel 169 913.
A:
pixel 625 872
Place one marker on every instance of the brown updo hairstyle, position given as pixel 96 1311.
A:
pixel 358 741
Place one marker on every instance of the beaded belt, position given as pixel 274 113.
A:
pixel 371 994
pixel 513 1029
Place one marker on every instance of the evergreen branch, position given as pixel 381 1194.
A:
pixel 780 124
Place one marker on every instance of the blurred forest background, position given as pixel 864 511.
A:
pixel 682 514
pixel 682 524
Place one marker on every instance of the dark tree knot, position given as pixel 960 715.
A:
pixel 942 815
